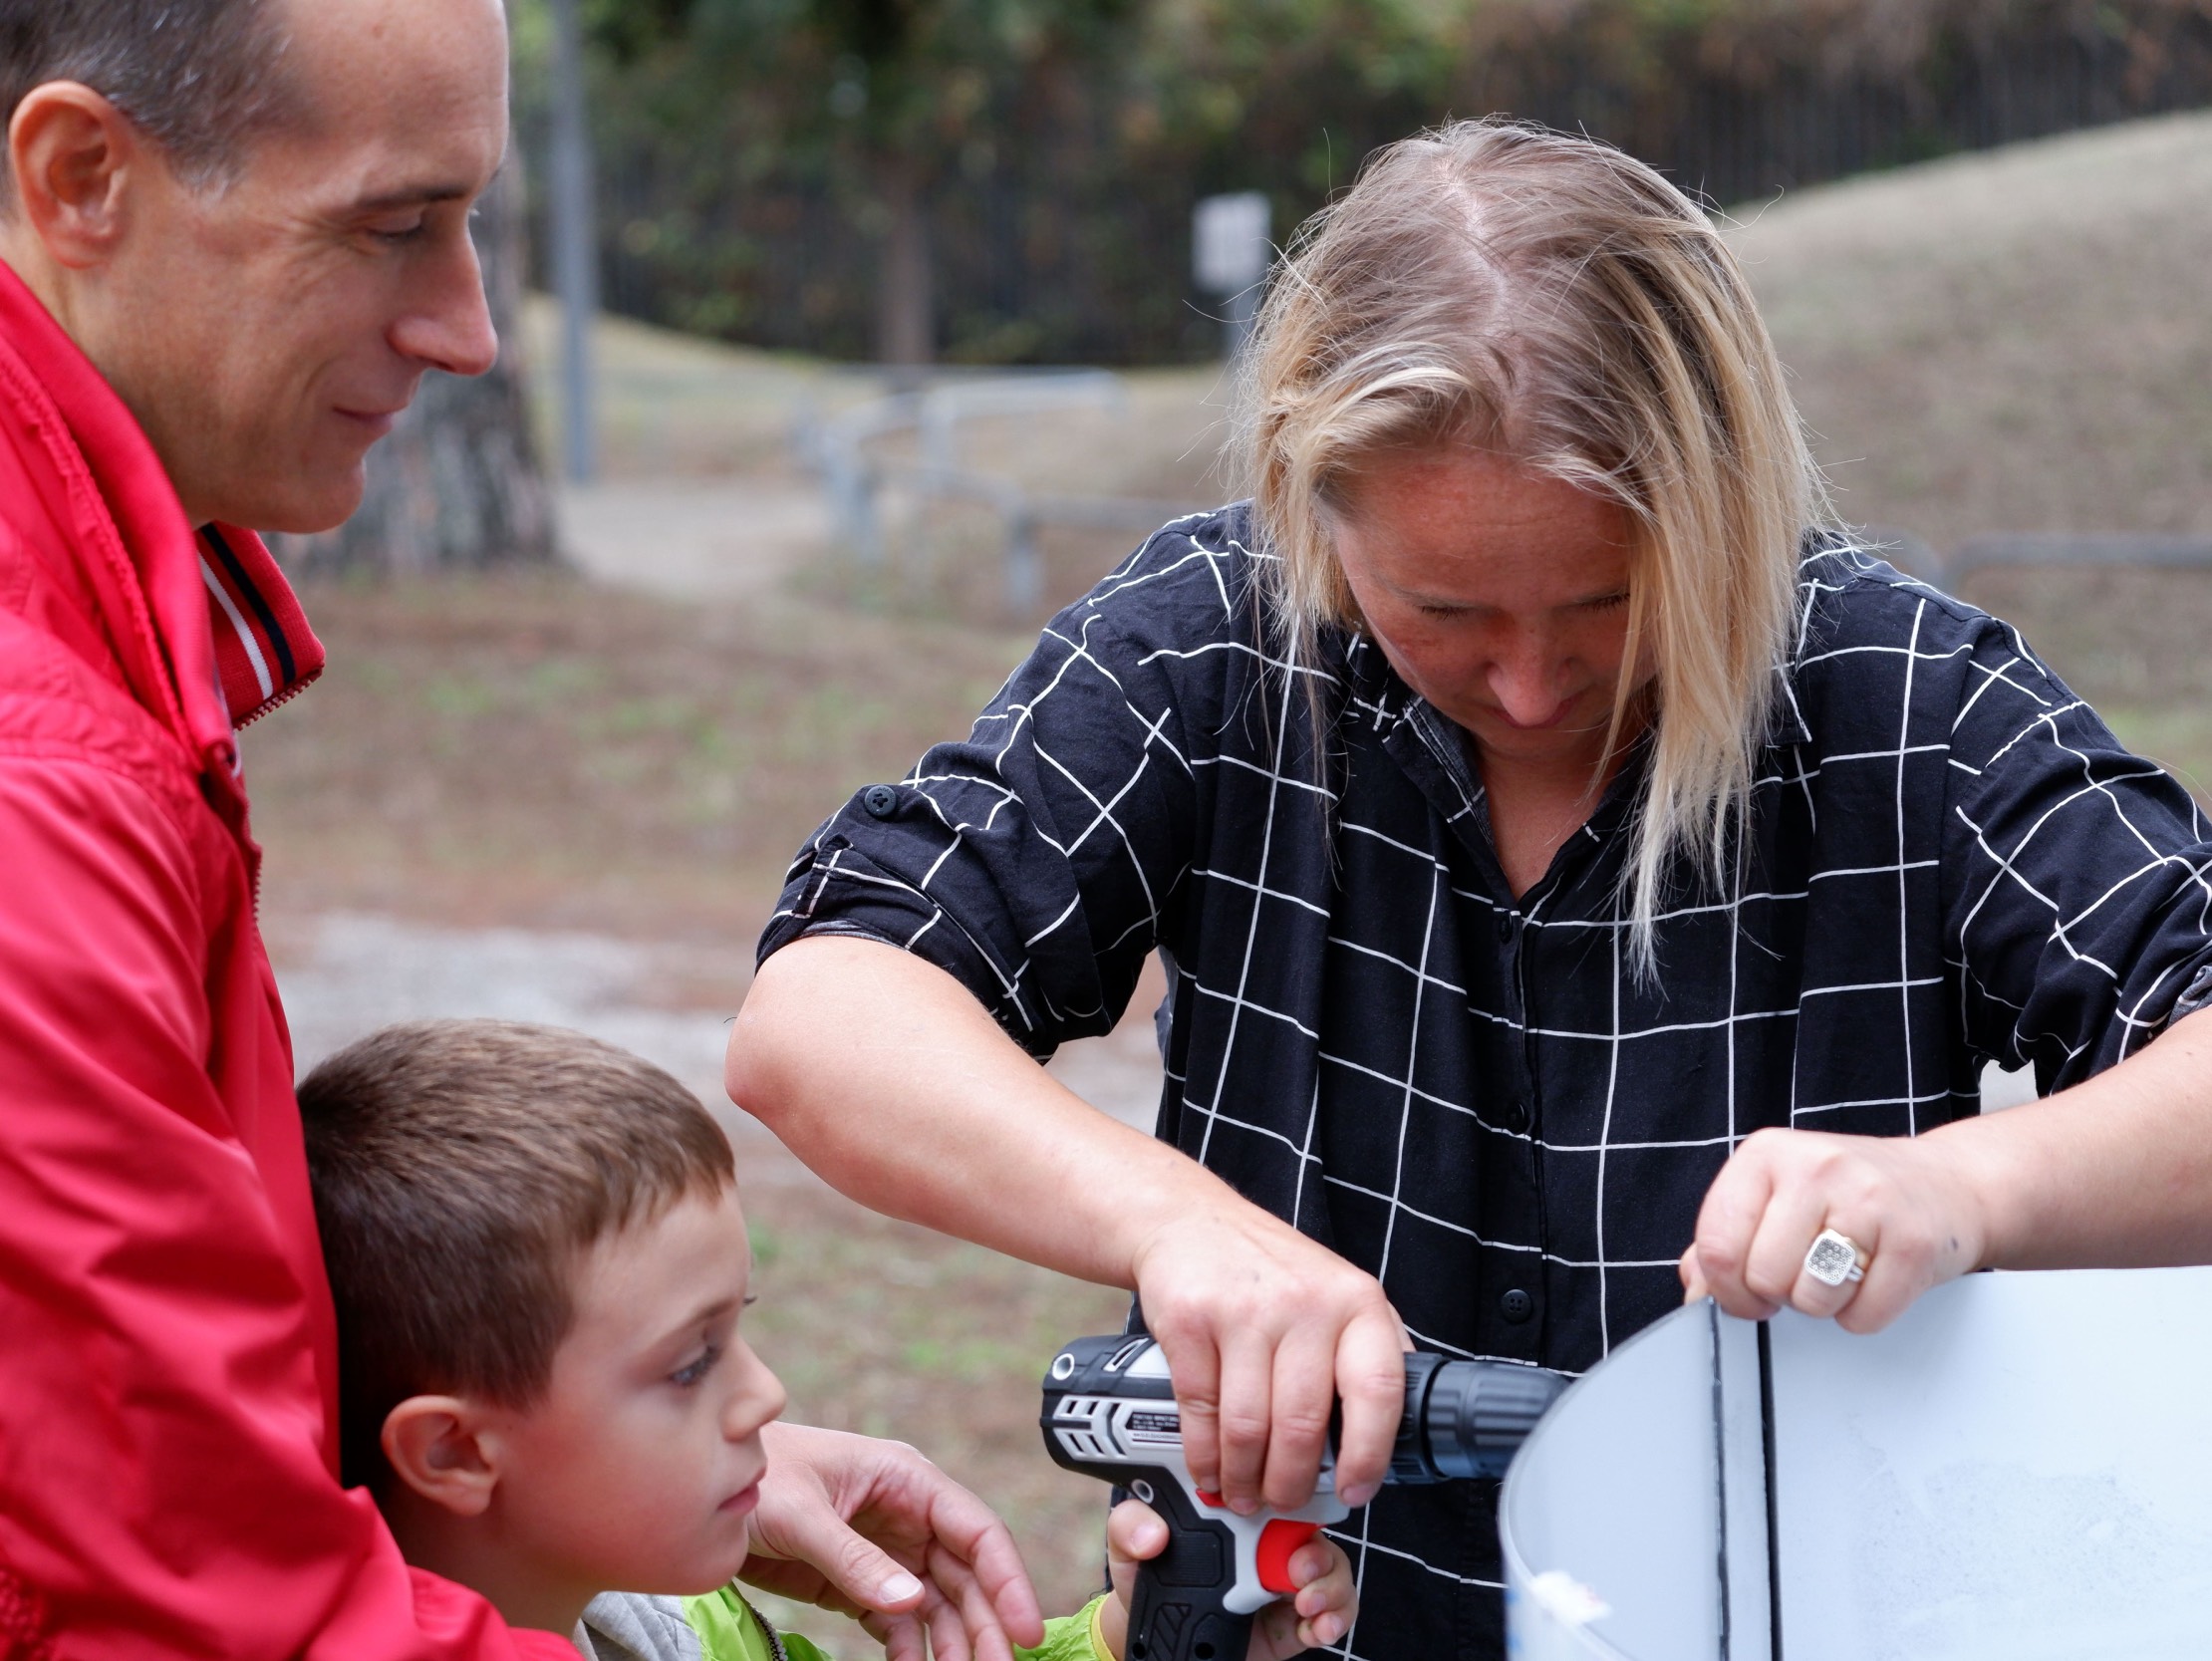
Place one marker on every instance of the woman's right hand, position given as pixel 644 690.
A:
pixel 1264 1331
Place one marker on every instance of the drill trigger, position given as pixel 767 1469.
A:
pixel 1278 1541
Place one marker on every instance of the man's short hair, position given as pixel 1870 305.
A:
pixel 461 1171
pixel 199 77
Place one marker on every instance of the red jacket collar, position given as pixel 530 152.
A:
pixel 206 631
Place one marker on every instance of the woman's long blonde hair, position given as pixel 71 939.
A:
pixel 1548 298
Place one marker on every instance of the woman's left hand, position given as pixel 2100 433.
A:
pixel 1906 1202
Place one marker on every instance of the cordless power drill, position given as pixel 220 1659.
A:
pixel 1110 1412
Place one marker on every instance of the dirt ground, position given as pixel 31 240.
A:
pixel 544 752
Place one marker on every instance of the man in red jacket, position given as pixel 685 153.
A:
pixel 233 237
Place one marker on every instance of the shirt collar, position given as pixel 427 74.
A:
pixel 264 651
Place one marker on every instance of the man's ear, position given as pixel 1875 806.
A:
pixel 443 1447
pixel 71 156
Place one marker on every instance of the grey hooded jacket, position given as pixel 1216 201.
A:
pixel 633 1626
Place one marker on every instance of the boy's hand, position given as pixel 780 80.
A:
pixel 1318 1615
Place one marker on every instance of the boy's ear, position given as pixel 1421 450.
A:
pixel 69 155
pixel 439 1447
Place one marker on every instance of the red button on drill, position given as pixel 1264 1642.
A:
pixel 1277 1541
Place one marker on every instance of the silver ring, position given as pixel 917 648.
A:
pixel 1834 1258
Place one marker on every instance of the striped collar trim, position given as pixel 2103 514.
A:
pixel 264 651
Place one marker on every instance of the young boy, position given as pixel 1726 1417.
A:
pixel 539 1264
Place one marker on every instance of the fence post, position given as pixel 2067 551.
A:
pixel 1024 568
pixel 574 244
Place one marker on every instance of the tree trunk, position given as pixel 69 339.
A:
pixel 906 306
pixel 459 484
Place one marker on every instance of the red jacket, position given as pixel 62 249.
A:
pixel 168 1351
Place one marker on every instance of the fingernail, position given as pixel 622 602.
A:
pixel 898 1588
pixel 1359 1495
pixel 1244 1507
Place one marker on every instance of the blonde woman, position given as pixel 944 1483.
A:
pixel 1582 871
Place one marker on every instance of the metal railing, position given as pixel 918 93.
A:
pixel 2013 550
pixel 845 449
pixel 1982 553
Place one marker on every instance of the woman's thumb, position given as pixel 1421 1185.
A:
pixel 1692 1271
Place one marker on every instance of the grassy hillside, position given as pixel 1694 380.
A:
pixel 2019 339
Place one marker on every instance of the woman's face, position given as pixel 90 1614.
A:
pixel 1498 594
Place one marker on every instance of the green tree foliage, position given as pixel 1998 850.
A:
pixel 872 105
pixel 1013 179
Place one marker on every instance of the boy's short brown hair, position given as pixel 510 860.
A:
pixel 460 1170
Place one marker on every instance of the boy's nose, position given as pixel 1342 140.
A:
pixel 759 1398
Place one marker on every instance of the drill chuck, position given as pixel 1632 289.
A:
pixel 1467 1418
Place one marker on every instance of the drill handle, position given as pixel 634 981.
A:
pixel 1179 1609
pixel 1181 1622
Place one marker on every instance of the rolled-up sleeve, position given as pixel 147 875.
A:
pixel 1039 861
pixel 2078 879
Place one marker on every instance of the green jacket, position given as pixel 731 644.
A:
pixel 722 1626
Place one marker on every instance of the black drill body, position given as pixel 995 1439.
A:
pixel 1110 1413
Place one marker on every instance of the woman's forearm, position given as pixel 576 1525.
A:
pixel 886 1076
pixel 2114 1173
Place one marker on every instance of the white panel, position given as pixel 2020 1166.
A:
pixel 1617 1490
pixel 2020 1470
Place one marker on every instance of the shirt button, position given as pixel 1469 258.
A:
pixel 880 800
pixel 1516 1115
pixel 1505 928
pixel 1517 1305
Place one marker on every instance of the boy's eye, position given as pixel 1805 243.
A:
pixel 695 1371
pixel 1440 611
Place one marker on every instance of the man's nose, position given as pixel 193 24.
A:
pixel 450 327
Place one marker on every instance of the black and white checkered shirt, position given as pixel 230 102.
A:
pixel 1950 860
